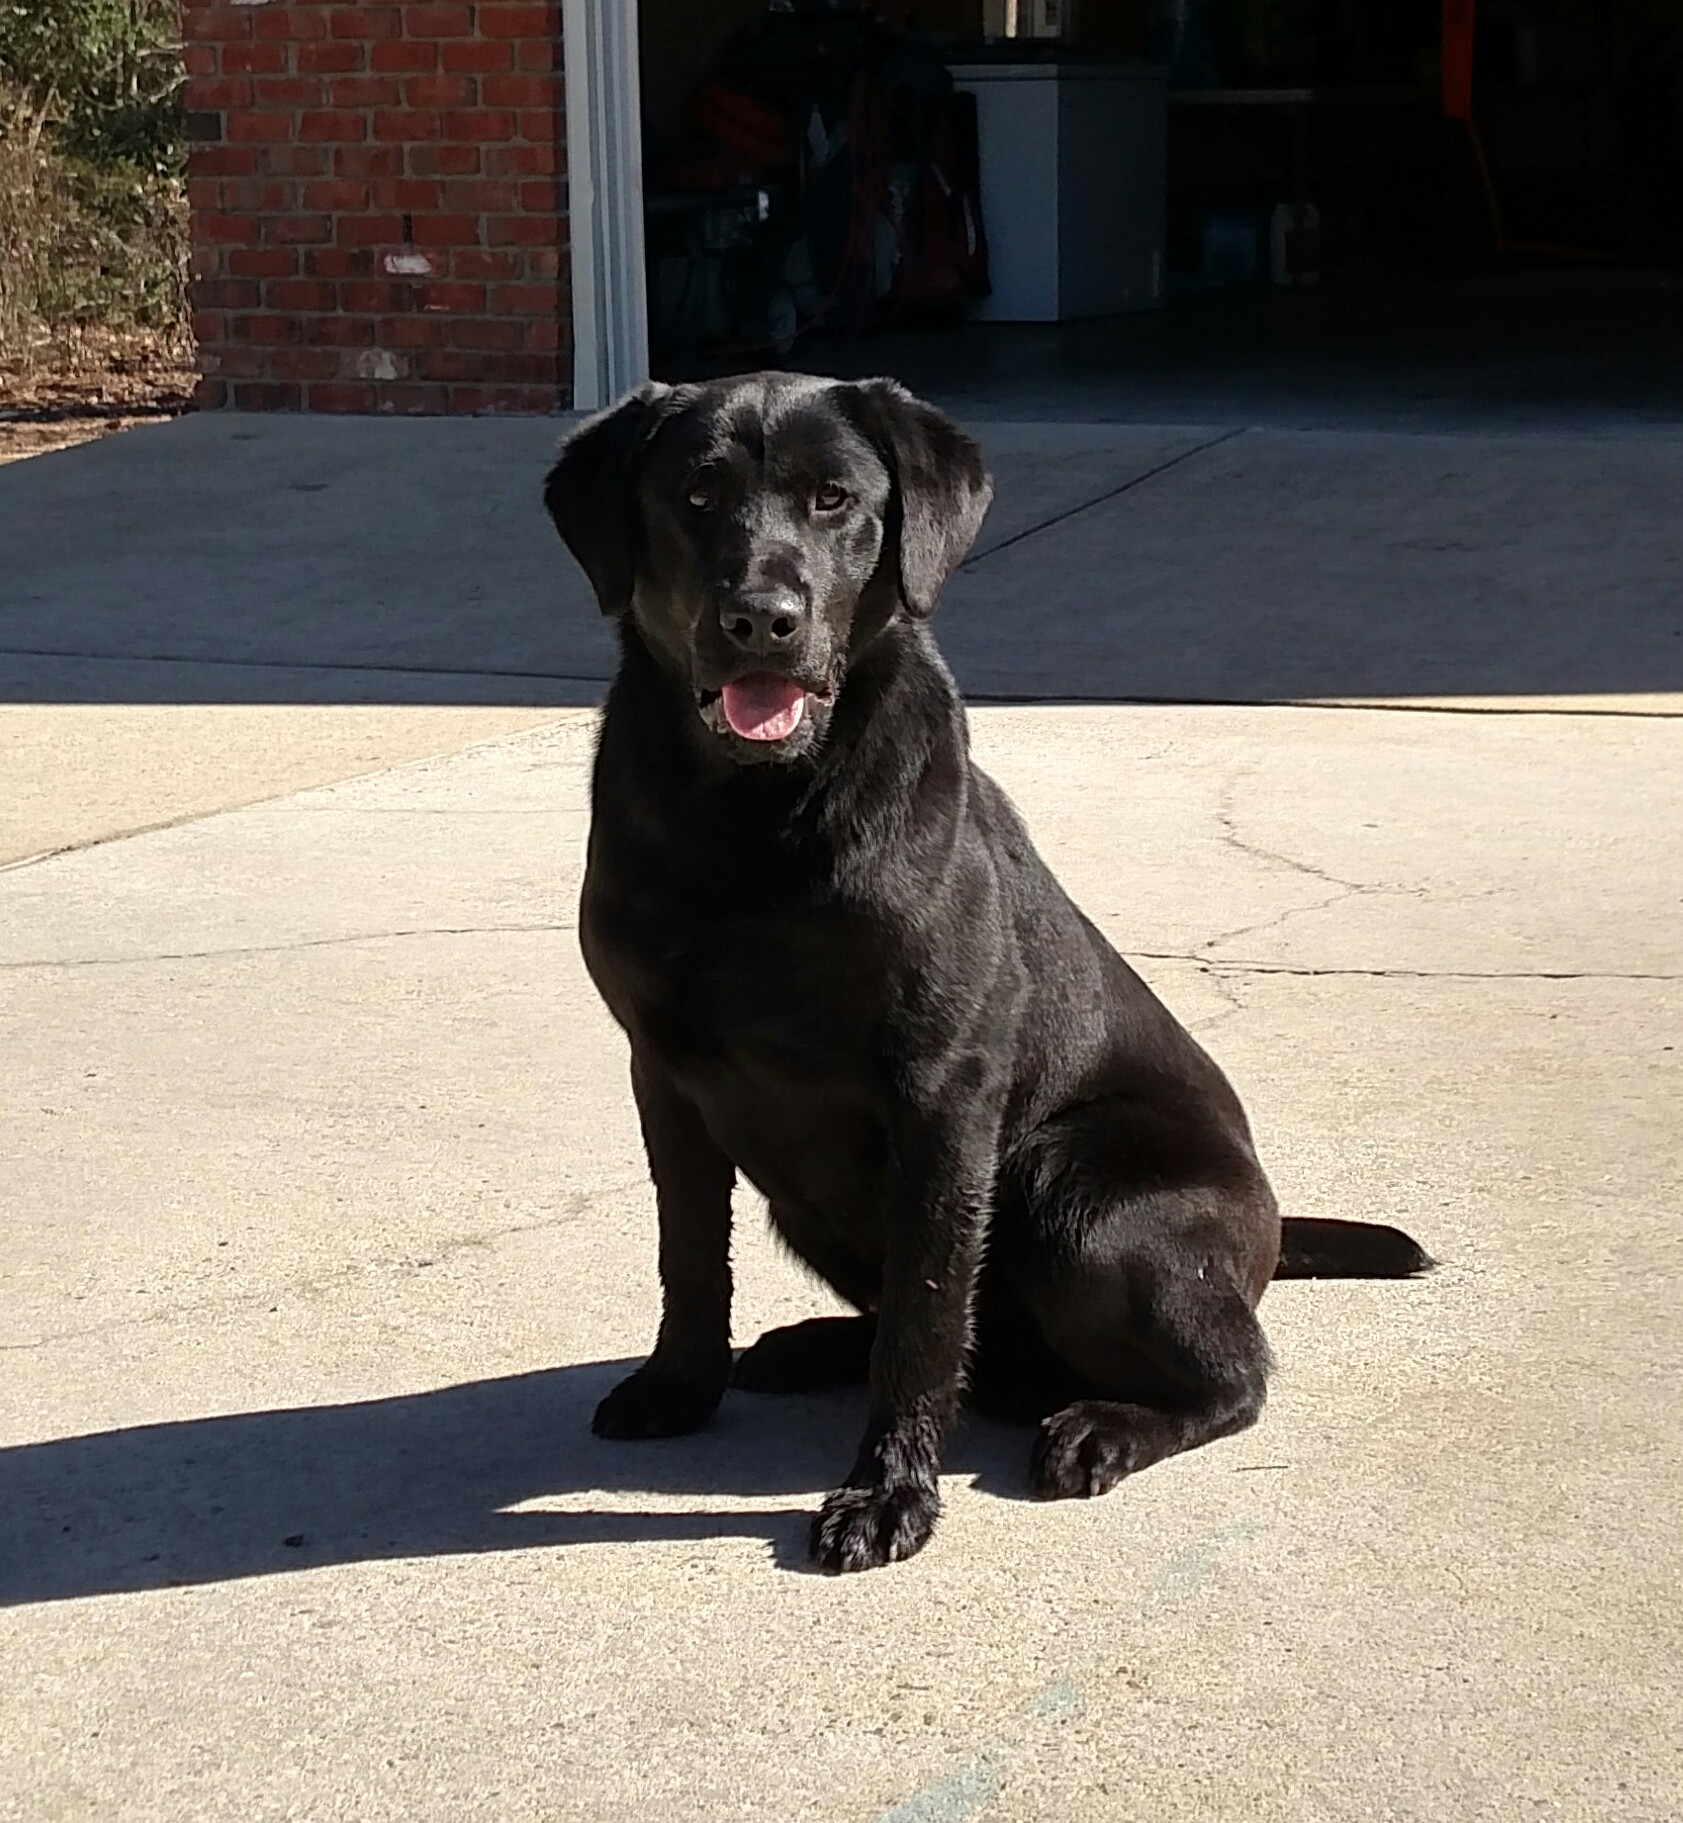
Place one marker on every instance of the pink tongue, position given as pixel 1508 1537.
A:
pixel 764 707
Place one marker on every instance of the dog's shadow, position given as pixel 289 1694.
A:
pixel 491 1465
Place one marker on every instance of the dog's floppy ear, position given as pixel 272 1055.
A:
pixel 591 493
pixel 941 487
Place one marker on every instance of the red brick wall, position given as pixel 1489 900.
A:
pixel 378 197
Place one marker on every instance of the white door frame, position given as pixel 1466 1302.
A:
pixel 605 199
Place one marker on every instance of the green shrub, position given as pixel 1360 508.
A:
pixel 107 71
pixel 93 226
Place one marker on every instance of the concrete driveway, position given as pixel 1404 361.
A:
pixel 324 1221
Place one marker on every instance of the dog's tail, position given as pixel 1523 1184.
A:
pixel 1311 1248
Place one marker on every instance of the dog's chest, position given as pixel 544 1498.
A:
pixel 766 1019
pixel 787 992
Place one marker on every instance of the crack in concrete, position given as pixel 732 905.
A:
pixel 1341 705
pixel 343 667
pixel 1225 988
pixel 19 862
pixel 1216 965
pixel 1113 493
pixel 1276 919
pixel 273 949
pixel 1231 838
pixel 269 798
pixel 423 1260
pixel 1227 823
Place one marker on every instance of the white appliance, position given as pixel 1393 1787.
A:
pixel 1072 187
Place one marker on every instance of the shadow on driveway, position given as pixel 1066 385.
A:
pixel 428 1474
pixel 231 559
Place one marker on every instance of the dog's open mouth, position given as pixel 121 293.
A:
pixel 764 706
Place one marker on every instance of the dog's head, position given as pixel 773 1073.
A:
pixel 759 532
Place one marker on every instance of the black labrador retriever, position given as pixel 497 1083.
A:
pixel 846 974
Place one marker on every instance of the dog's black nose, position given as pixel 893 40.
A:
pixel 769 622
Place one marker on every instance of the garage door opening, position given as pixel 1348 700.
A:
pixel 1163 208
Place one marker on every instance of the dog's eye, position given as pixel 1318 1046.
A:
pixel 829 498
pixel 702 490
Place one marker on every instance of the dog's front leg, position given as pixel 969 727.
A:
pixel 678 1388
pixel 940 1189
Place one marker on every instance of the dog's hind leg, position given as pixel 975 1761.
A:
pixel 809 1357
pixel 1171 1352
pixel 1141 1235
pixel 1014 1375
pixel 823 1352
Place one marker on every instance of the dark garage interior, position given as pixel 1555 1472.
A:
pixel 1306 210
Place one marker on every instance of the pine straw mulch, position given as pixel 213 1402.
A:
pixel 92 383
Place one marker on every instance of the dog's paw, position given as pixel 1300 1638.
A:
pixel 1081 1451
pixel 862 1528
pixel 657 1403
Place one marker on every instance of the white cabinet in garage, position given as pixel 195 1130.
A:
pixel 1072 187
